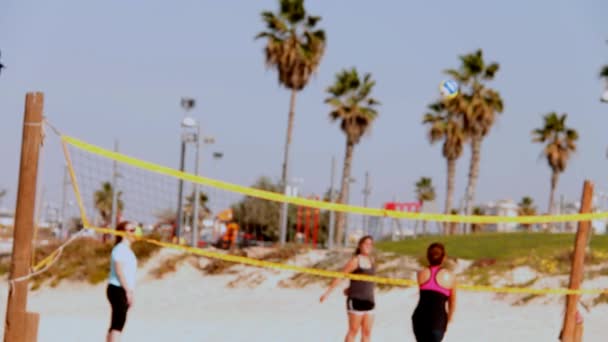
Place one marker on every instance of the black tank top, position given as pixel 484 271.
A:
pixel 362 290
pixel 431 314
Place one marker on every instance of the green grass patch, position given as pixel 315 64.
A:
pixel 496 253
pixel 499 246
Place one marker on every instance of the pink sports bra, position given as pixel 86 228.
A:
pixel 432 284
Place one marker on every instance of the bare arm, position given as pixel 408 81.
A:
pixel 350 266
pixel 452 302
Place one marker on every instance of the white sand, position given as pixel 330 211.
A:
pixel 188 306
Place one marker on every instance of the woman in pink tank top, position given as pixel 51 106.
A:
pixel 437 288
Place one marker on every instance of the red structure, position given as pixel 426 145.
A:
pixel 311 222
pixel 403 206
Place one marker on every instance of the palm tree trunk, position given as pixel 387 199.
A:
pixel 340 216
pixel 473 175
pixel 284 174
pixel 554 178
pixel 449 198
pixel 424 223
pixel 292 106
pixel 453 226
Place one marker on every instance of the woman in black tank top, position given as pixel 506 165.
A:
pixel 437 303
pixel 360 294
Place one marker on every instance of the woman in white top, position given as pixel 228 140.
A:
pixel 123 268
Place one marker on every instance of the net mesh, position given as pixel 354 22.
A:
pixel 151 199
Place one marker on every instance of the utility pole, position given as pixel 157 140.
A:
pixel 195 202
pixel 367 190
pixel 64 204
pixel 284 209
pixel 331 237
pixel 21 325
pixel 180 194
pixel 115 207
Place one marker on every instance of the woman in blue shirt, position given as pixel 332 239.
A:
pixel 123 268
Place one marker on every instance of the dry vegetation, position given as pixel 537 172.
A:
pixel 86 259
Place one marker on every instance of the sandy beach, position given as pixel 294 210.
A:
pixel 190 306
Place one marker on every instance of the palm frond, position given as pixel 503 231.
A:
pixel 491 70
pixel 457 75
pixel 334 102
pixel 311 21
pixel 351 102
pixel 604 72
pixel 571 134
pixel 293 10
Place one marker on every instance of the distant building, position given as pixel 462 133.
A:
pixel 500 208
pixel 599 226
pixel 7 218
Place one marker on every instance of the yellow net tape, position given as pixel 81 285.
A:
pixel 320 204
pixel 314 204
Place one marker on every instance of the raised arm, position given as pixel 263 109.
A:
pixel 350 266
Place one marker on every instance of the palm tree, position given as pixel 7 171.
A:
pixel 478 105
pixel 604 72
pixel 2 194
pixel 295 48
pixel 425 191
pixel 202 203
pixel 560 143
pixel 478 227
pixel 103 202
pixel 452 226
pixel 526 207
pixel 352 104
pixel 604 75
pixel 447 127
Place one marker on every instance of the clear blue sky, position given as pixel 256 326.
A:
pixel 117 69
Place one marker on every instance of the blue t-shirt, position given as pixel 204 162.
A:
pixel 123 254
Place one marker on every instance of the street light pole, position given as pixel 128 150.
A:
pixel 196 187
pixel 187 104
pixel 199 140
pixel 180 193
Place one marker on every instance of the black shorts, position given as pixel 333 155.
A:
pixel 359 306
pixel 118 300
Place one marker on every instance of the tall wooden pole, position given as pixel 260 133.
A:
pixel 21 325
pixel 578 262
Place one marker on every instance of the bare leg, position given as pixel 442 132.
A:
pixel 366 327
pixel 354 324
pixel 578 332
pixel 113 336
